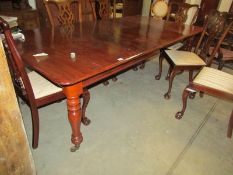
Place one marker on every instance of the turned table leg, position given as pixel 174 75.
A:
pixel 74 113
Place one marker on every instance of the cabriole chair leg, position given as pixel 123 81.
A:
pixel 185 95
pixel 157 77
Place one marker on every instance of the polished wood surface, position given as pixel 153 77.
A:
pixel 98 46
pixel 102 49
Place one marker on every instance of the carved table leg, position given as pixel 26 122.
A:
pixel 86 98
pixel 74 113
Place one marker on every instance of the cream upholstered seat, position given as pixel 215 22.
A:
pixel 184 58
pixel 42 87
pixel 215 79
pixel 213 82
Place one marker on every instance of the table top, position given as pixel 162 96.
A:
pixel 99 46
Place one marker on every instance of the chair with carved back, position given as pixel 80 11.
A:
pixel 202 55
pixel 63 12
pixel 184 13
pixel 212 82
pixel 33 88
pixel 225 54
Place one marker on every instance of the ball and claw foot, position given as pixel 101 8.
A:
pixel 179 115
pixel 74 148
pixel 167 96
pixel 86 121
pixel 157 77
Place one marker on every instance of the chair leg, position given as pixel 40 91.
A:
pixel 114 79
pixel 168 73
pixel 167 95
pixel 157 77
pixel 185 95
pixel 35 127
pixel 142 66
pixel 230 126
pixel 86 98
pixel 190 75
pixel 220 64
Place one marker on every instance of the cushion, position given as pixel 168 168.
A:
pixel 159 9
pixel 182 58
pixel 41 86
pixel 215 79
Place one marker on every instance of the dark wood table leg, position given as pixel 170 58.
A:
pixel 73 94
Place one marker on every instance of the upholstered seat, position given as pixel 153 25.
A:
pixel 213 82
pixel 41 86
pixel 184 58
pixel 215 79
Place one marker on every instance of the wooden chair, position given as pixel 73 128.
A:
pixel 63 12
pixel 182 12
pixel 180 61
pixel 225 54
pixel 213 82
pixel 34 89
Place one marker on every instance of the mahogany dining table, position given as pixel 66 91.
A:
pixel 89 52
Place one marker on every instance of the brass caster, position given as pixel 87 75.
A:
pixel 114 79
pixel 179 115
pixel 157 77
pixel 135 68
pixel 106 83
pixel 74 148
pixel 167 96
pixel 86 121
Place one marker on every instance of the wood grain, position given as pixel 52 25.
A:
pixel 15 155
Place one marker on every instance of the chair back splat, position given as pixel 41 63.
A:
pixel 214 32
pixel 182 12
pixel 63 12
